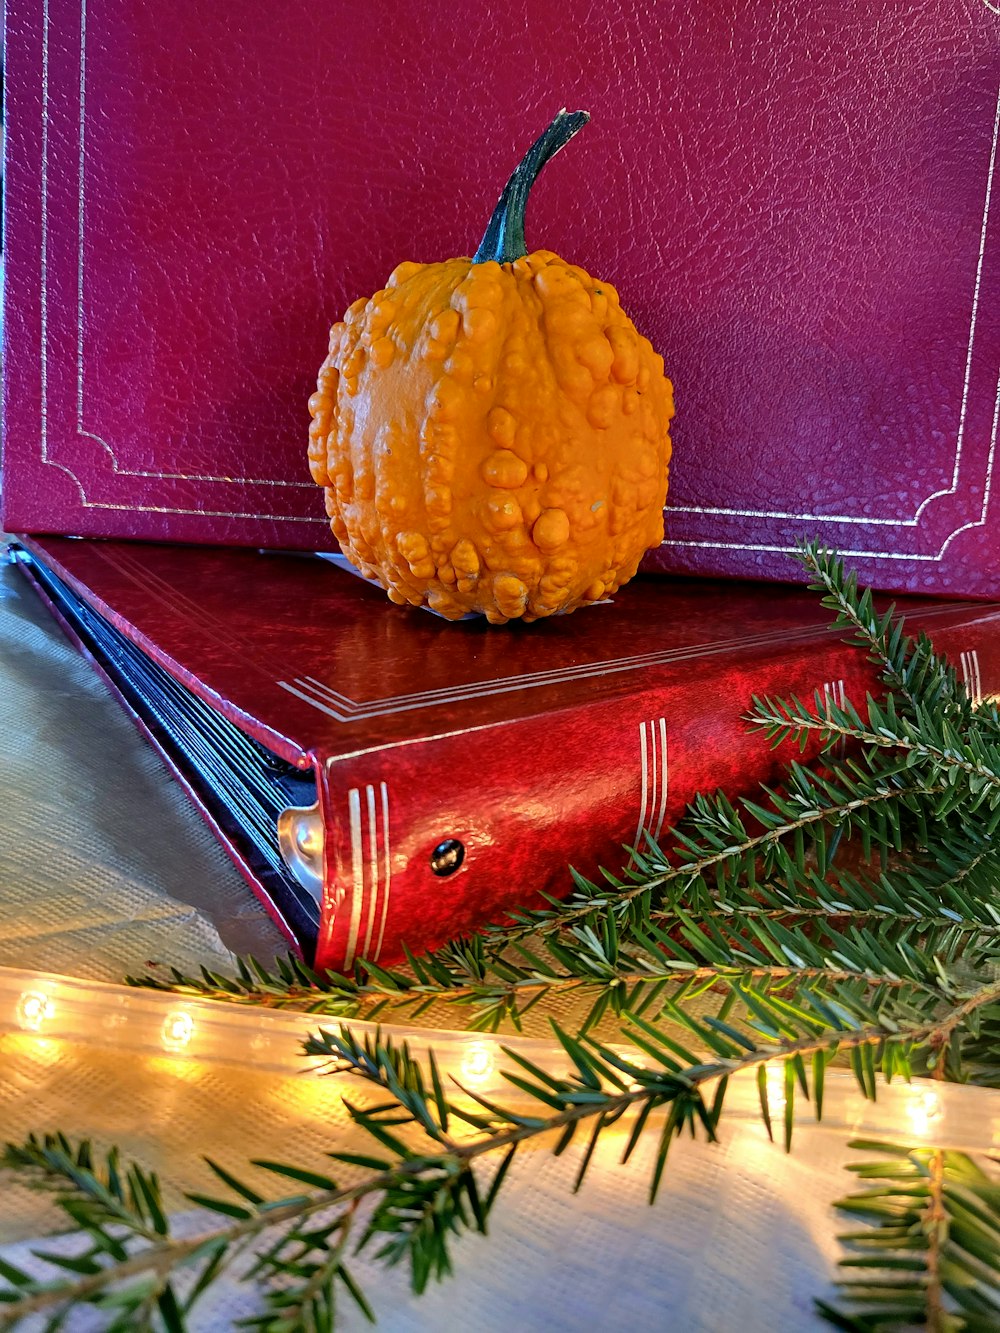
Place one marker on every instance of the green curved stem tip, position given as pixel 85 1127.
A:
pixel 504 240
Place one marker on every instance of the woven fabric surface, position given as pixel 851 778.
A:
pixel 104 864
pixel 741 1236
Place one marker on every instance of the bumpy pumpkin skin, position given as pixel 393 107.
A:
pixel 493 437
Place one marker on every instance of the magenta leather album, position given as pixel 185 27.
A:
pixel 796 204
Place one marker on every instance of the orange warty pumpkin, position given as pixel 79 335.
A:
pixel 492 433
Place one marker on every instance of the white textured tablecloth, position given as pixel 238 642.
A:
pixel 740 1238
pixel 103 862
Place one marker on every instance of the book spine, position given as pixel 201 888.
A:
pixel 429 841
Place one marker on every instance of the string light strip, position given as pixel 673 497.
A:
pixel 134 1021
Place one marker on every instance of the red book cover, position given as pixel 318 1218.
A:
pixel 531 747
pixel 796 204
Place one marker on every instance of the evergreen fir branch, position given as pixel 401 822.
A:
pixel 952 881
pixel 929 739
pixel 662 881
pixel 122 1283
pixel 978 1055
pixel 625 972
pixel 909 667
pixel 524 987
pixel 927 917
pixel 291 984
pixel 113 1205
pixel 731 862
pixel 957 886
pixel 129 1199
pixel 426 1193
pixel 931 1254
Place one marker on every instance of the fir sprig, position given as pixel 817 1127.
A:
pixel 747 939
pixel 800 927
pixel 931 1252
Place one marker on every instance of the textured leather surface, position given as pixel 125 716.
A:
pixel 795 203
pixel 535 746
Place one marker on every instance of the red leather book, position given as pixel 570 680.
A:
pixel 457 770
pixel 796 204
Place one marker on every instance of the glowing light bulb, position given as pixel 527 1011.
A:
pixel 923 1108
pixel 33 1009
pixel 177 1030
pixel 478 1062
pixel 776 1086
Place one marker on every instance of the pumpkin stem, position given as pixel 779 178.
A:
pixel 504 240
